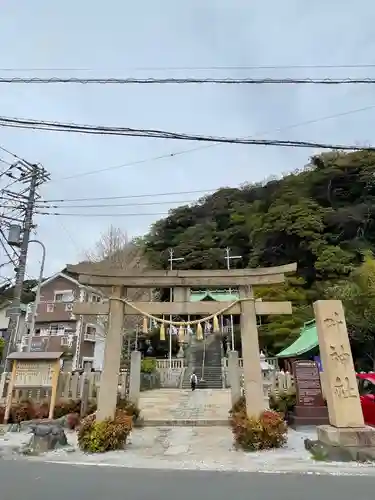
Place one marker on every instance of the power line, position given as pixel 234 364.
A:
pixel 128 197
pixel 130 164
pixel 69 235
pixel 207 146
pixel 46 209
pixel 189 81
pixel 116 205
pixel 116 214
pixel 204 68
pixel 26 123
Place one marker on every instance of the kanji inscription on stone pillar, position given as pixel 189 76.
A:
pixel 344 406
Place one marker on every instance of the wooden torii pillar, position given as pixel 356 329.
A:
pixel 118 280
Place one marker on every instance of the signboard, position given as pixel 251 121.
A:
pixel 33 374
pixel 33 370
pixel 307 380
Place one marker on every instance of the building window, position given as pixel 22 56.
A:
pixel 50 307
pixel 64 296
pixel 69 307
pixel 90 332
pixel 56 329
pixel 53 329
pixel 95 298
pixel 65 341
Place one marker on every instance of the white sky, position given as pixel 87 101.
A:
pixel 114 38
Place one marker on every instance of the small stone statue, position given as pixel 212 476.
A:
pixel 46 437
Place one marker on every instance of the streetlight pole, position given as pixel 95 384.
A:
pixel 37 293
pixel 171 260
pixel 228 258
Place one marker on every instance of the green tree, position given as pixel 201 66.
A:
pixel 2 345
pixel 322 217
pixel 358 296
pixel 277 332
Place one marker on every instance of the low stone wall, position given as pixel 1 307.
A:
pixel 170 372
pixel 171 379
pixel 150 381
pixel 277 381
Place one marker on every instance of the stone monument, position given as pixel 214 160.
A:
pixel 347 429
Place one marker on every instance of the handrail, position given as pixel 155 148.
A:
pixel 203 357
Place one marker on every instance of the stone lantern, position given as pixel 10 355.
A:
pixel 267 372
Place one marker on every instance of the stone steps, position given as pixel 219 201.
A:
pixel 212 378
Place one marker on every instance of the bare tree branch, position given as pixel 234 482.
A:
pixel 115 248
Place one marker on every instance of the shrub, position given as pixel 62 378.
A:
pixel 239 407
pixel 73 421
pixel 40 410
pixel 65 406
pixel 128 407
pixel 21 411
pixel 68 406
pixel 283 402
pixel 99 437
pixel 28 410
pixel 148 365
pixel 252 434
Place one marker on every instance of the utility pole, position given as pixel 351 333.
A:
pixel 35 175
pixel 171 259
pixel 228 258
pixel 37 294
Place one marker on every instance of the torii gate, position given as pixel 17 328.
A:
pixel 118 280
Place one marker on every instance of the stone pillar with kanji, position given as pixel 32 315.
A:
pixel 347 428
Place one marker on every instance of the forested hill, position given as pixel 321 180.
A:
pixel 322 217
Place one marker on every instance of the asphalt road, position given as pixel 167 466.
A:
pixel 43 481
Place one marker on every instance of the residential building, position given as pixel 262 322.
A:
pixel 81 338
pixel 4 320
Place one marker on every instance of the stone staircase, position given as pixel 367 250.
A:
pixel 211 378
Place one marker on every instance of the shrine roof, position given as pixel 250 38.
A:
pixel 307 341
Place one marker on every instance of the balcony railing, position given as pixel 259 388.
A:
pixel 89 337
pixel 46 332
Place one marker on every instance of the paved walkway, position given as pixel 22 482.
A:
pixel 190 448
pixel 175 406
